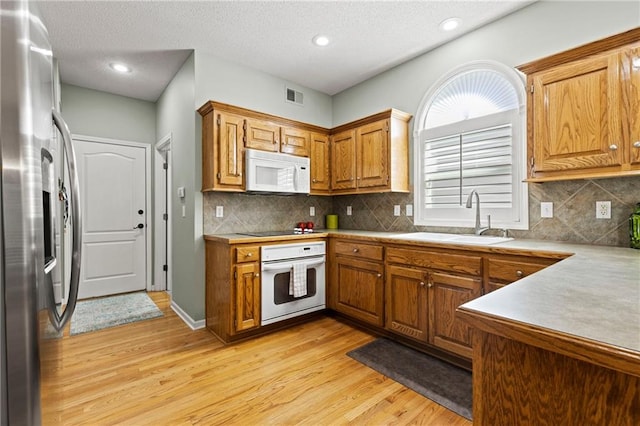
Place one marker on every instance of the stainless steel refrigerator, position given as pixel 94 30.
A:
pixel 39 206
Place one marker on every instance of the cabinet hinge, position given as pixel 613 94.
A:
pixel 386 127
pixel 218 121
pixel 165 216
pixel 165 268
pixel 532 88
pixel 219 176
pixel 165 166
pixel 235 323
pixel 235 274
pixel 532 165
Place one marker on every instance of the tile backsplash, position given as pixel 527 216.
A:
pixel 251 212
pixel 573 208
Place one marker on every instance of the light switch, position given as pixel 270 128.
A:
pixel 408 210
pixel 181 192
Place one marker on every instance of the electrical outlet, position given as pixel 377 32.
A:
pixel 349 210
pixel 603 209
pixel 396 210
pixel 312 211
pixel 219 211
pixel 408 210
pixel 546 209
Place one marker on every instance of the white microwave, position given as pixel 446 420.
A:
pixel 273 172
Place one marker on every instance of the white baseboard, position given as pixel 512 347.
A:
pixel 193 324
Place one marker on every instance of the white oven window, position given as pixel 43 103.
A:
pixel 281 287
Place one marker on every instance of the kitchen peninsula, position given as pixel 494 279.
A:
pixel 562 346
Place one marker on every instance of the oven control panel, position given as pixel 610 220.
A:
pixel 292 251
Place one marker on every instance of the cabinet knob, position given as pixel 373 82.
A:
pixel 249 254
pixel 379 275
pixel 355 250
pixel 421 283
pixel 257 274
pixel 314 181
pixel 519 274
pixel 613 147
pixel 636 144
pixel 430 285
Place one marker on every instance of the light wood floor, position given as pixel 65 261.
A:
pixel 160 372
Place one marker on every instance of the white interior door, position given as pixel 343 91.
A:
pixel 113 189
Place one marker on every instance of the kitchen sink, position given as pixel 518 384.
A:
pixel 452 238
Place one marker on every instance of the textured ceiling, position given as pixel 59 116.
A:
pixel 155 37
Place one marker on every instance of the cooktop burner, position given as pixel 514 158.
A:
pixel 271 233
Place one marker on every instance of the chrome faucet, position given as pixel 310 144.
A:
pixel 479 230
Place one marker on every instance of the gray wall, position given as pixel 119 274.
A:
pixel 176 115
pixel 93 113
pixel 226 82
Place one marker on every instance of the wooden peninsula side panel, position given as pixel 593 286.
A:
pixel 517 381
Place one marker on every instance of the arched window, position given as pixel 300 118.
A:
pixel 470 134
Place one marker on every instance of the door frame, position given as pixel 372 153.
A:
pixel 162 146
pixel 147 176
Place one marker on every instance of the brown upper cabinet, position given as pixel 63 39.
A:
pixel 320 175
pixel 372 157
pixel 228 130
pixel 371 154
pixel 583 108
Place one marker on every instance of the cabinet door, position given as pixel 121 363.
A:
pixel 406 306
pixel 360 289
pixel 631 114
pixel 262 135
pixel 576 119
pixel 295 142
pixel 247 296
pixel 343 160
pixel 230 133
pixel 446 293
pixel 372 155
pixel 319 163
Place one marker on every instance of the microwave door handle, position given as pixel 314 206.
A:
pixel 295 177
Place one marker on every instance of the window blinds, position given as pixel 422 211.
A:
pixel 457 163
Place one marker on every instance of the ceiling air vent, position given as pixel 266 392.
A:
pixel 293 96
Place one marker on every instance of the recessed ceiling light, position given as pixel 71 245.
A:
pixel 320 40
pixel 450 24
pixel 121 68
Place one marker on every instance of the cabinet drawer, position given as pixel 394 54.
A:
pixel 509 271
pixel 247 254
pixel 464 264
pixel 360 250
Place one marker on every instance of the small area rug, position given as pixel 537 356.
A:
pixel 446 384
pixel 96 314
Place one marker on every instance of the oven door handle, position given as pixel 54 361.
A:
pixel 289 265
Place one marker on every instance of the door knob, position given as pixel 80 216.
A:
pixel 139 226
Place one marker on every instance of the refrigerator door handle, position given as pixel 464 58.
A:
pixel 76 219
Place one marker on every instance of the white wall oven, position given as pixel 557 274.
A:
pixel 293 280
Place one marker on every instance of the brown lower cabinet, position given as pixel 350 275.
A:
pixel 423 290
pixel 356 286
pixel 232 288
